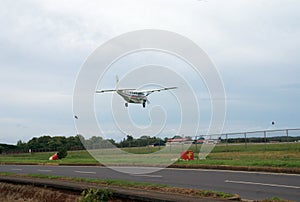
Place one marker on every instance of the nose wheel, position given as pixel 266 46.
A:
pixel 126 104
pixel 144 104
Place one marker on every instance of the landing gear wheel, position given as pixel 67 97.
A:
pixel 126 104
pixel 144 104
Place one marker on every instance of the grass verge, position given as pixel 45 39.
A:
pixel 131 184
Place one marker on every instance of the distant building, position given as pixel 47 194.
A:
pixel 209 141
pixel 179 141
pixel 201 141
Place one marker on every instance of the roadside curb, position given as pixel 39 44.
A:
pixel 240 168
pixel 123 193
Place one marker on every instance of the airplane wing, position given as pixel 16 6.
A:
pixel 112 90
pixel 104 91
pixel 148 92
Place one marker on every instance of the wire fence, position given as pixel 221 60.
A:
pixel 265 137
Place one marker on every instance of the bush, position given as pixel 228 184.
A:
pixel 62 153
pixel 95 195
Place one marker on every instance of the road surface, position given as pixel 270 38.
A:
pixel 249 185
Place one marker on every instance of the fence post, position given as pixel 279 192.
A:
pixel 265 138
pixel 226 141
pixel 159 143
pixel 196 151
pixel 245 134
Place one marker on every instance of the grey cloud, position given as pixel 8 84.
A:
pixel 254 43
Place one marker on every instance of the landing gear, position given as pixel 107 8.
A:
pixel 126 104
pixel 144 104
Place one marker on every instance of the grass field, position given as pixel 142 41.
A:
pixel 270 155
pixel 107 183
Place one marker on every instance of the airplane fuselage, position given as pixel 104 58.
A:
pixel 132 96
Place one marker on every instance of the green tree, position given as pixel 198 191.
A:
pixel 21 145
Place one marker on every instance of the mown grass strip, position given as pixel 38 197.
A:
pixel 131 184
pixel 285 155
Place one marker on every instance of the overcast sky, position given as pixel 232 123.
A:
pixel 253 43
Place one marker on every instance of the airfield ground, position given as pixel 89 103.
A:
pixel 285 156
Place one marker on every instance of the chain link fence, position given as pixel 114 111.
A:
pixel 247 139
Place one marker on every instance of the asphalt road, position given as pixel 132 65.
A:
pixel 249 185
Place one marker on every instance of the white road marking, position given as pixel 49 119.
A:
pixel 263 184
pixel 84 172
pixel 154 176
pixel 44 170
pixel 16 169
pixel 199 170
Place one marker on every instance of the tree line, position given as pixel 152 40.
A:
pixel 48 143
pixel 143 141
pixel 78 142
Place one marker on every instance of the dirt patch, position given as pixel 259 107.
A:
pixel 28 193
pixel 13 193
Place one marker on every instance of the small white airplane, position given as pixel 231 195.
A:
pixel 133 95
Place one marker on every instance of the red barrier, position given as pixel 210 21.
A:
pixel 54 157
pixel 187 155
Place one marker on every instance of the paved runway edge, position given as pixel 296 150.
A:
pixel 123 193
pixel 212 167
